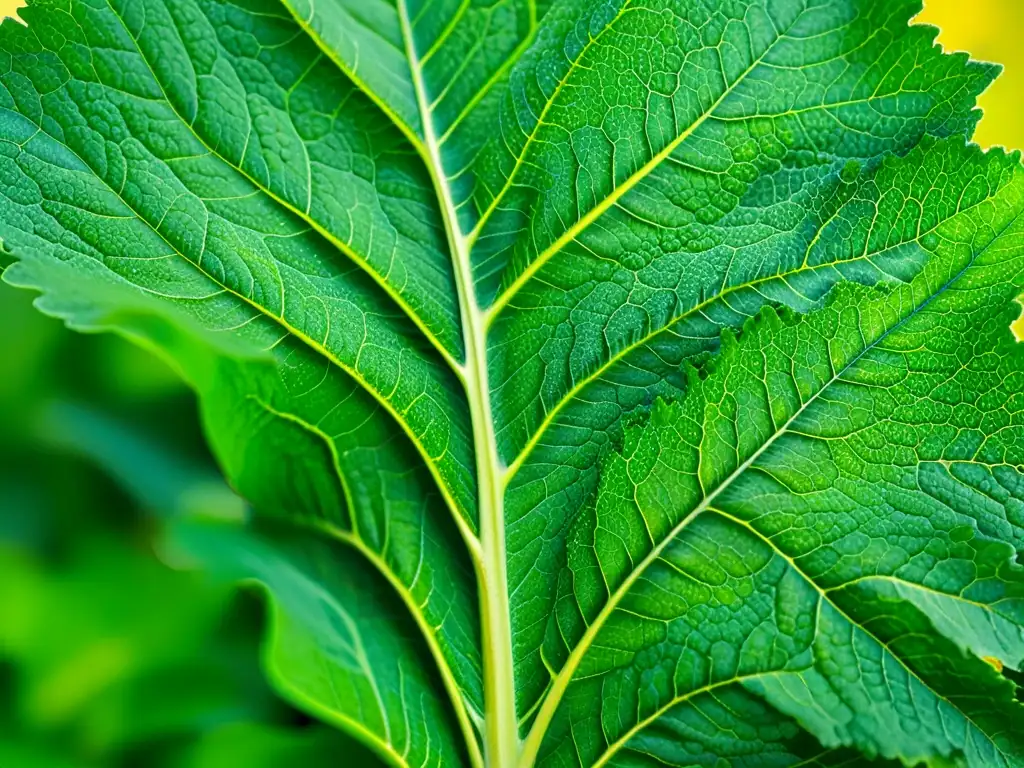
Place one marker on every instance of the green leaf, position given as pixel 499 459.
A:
pixel 372 677
pixel 830 518
pixel 344 475
pixel 459 284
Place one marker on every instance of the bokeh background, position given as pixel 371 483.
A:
pixel 110 658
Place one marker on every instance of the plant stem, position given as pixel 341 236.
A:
pixel 502 745
pixel 501 730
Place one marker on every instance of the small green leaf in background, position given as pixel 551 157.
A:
pixel 108 657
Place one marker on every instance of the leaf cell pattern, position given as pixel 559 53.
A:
pixel 614 383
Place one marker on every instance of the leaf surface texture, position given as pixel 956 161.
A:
pixel 614 383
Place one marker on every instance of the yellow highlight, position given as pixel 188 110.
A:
pixel 9 8
pixel 1017 326
pixel 990 31
pixel 996 663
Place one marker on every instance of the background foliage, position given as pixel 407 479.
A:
pixel 93 623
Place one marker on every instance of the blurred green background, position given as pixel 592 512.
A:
pixel 108 657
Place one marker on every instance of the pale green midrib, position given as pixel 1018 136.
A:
pixel 823 594
pixel 305 216
pixel 501 735
pixel 316 346
pixel 507 294
pixel 551 415
pixel 463 707
pixel 554 696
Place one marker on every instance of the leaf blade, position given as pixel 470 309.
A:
pixel 729 473
pixel 313 600
pixel 349 478
pixel 199 210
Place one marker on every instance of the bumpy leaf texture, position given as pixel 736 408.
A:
pixel 615 382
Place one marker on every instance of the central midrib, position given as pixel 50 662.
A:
pixel 502 745
pixel 501 732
